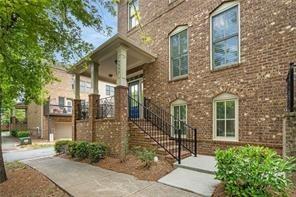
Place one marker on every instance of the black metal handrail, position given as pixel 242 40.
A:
pixel 84 111
pixel 189 134
pixel 156 132
pixel 106 108
pixel 290 88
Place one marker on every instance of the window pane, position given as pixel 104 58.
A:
pixel 232 50
pixel 176 112
pixel 230 109
pixel 230 17
pixel 176 71
pixel 219 53
pixel 218 27
pixel 221 128
pixel 183 42
pixel 230 128
pixel 183 112
pixel 182 127
pixel 174 46
pixel 220 110
pixel 184 65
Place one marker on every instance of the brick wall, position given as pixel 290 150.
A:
pixel 268 30
pixel 34 119
pixel 83 132
pixel 289 138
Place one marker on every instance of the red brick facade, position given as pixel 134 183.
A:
pixel 267 46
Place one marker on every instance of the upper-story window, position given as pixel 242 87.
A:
pixel 179 53
pixel 85 86
pixel 133 9
pixel 225 35
pixel 109 90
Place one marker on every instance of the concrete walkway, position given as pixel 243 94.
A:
pixel 19 155
pixel 81 179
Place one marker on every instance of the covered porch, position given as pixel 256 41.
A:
pixel 106 119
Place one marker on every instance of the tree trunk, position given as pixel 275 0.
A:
pixel 3 176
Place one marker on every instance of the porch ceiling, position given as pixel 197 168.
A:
pixel 106 56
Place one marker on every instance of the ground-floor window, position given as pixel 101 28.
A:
pixel 225 112
pixel 179 119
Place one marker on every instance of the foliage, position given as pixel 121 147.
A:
pixel 21 134
pixel 81 151
pixel 61 146
pixel 14 132
pixel 146 156
pixel 20 115
pixel 253 171
pixel 71 150
pixel 96 151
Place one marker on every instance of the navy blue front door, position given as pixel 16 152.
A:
pixel 134 104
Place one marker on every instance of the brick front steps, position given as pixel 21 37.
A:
pixel 139 138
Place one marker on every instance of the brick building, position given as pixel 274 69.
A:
pixel 216 66
pixel 56 116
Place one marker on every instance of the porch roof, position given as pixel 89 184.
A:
pixel 106 56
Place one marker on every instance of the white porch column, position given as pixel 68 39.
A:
pixel 94 77
pixel 77 86
pixel 121 65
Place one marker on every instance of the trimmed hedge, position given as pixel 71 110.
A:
pixel 82 150
pixel 254 171
pixel 61 146
pixel 21 134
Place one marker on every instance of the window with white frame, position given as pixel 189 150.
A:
pixel 133 11
pixel 179 119
pixel 179 52
pixel 225 112
pixel 225 35
pixel 85 86
pixel 109 90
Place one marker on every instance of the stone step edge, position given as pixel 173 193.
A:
pixel 194 169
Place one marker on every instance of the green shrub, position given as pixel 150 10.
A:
pixel 81 150
pixel 146 156
pixel 14 132
pixel 72 147
pixel 96 151
pixel 21 134
pixel 61 146
pixel 253 171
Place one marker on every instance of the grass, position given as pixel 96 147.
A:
pixel 14 165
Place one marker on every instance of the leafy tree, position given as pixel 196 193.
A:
pixel 32 33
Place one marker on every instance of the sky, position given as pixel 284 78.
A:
pixel 96 38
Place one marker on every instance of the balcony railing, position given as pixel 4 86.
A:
pixel 59 110
pixel 106 108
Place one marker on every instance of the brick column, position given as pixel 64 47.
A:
pixel 94 100
pixel 121 115
pixel 75 116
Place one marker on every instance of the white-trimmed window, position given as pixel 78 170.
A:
pixel 179 113
pixel 225 112
pixel 225 35
pixel 109 90
pixel 133 9
pixel 179 53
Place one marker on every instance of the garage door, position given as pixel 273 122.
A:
pixel 63 130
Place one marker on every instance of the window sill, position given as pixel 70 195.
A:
pixel 225 139
pixel 180 78
pixel 226 66
pixel 133 29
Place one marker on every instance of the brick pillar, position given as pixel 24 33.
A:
pixel 75 116
pixel 121 115
pixel 13 123
pixel 93 111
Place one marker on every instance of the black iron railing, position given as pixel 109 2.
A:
pixel 84 111
pixel 188 133
pixel 62 110
pixel 106 108
pixel 290 88
pixel 156 132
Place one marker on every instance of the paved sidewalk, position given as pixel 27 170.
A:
pixel 81 179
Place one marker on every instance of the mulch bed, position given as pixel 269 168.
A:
pixel 25 181
pixel 133 166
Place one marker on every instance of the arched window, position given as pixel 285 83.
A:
pixel 225 35
pixel 179 53
pixel 179 113
pixel 225 117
